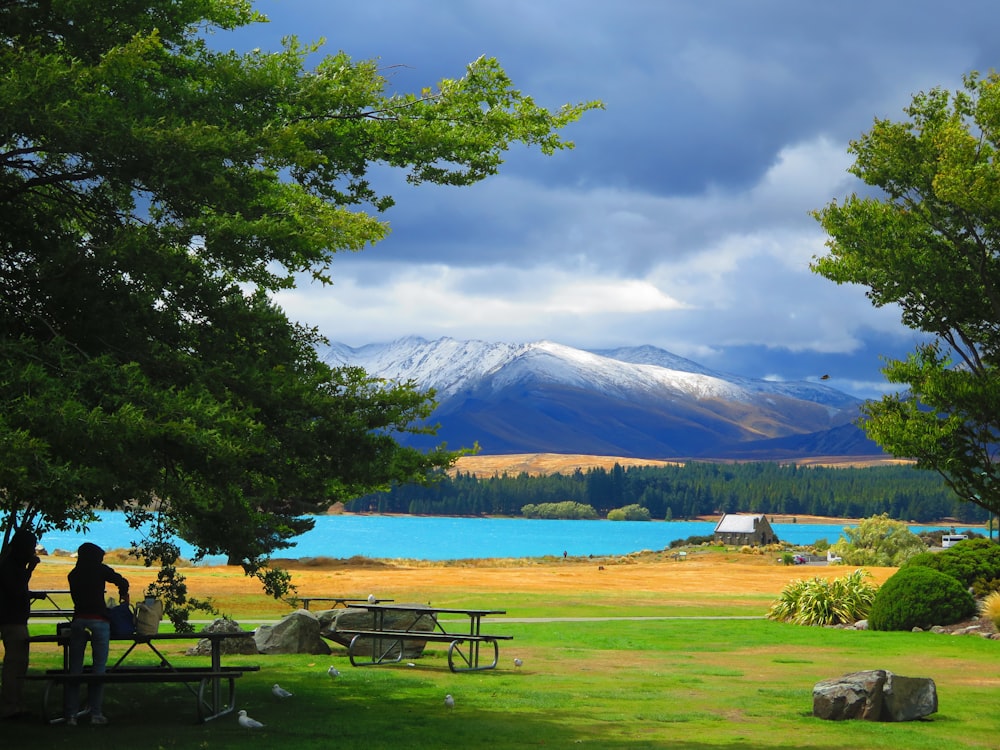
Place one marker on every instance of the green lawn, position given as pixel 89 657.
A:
pixel 630 684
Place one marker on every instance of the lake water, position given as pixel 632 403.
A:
pixel 445 538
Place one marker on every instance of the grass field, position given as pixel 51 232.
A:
pixel 682 680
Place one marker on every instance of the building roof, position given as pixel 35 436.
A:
pixel 735 523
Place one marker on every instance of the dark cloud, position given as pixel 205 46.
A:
pixel 682 217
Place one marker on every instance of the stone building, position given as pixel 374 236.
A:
pixel 739 529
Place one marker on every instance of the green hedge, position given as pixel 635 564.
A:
pixel 919 597
pixel 968 562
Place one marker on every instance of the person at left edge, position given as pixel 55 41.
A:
pixel 17 563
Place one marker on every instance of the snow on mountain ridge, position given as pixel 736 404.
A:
pixel 450 366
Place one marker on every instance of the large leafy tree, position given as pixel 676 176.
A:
pixel 928 240
pixel 154 192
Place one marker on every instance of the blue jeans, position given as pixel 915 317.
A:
pixel 98 632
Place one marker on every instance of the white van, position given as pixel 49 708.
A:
pixel 950 540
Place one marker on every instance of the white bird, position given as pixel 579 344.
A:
pixel 280 692
pixel 247 723
pixel 372 599
pixel 518 662
pixel 449 701
pixel 333 671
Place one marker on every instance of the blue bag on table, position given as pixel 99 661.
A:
pixel 122 620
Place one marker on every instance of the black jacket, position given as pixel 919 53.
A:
pixel 16 566
pixel 86 585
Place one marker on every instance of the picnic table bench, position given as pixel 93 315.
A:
pixel 338 601
pixel 216 684
pixel 387 643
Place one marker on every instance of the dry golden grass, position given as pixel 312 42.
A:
pixel 540 464
pixel 655 574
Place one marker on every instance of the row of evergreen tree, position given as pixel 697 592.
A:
pixel 692 489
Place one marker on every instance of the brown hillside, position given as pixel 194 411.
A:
pixel 540 464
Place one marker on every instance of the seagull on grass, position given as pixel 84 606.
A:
pixel 518 662
pixel 449 702
pixel 280 692
pixel 247 723
pixel 333 672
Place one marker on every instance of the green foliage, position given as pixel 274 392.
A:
pixel 927 243
pixel 919 597
pixel 155 194
pixel 969 562
pixel 692 541
pixel 983 588
pixel 878 540
pixel 690 490
pixel 633 512
pixel 565 510
pixel 818 601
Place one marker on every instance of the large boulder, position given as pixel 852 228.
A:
pixel 297 633
pixel 355 618
pixel 908 698
pixel 874 695
pixel 226 646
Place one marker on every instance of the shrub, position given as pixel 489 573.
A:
pixel 919 597
pixel 990 608
pixel 878 540
pixel 983 588
pixel 967 562
pixel 692 541
pixel 818 601
pixel 634 512
pixel 567 509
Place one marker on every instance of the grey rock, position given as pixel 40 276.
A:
pixel 908 698
pixel 857 695
pixel 297 633
pixel 875 695
pixel 227 646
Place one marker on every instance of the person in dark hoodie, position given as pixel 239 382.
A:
pixel 16 566
pixel 90 622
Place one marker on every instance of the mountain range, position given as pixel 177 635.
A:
pixel 643 402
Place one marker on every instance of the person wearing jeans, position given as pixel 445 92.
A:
pixel 90 622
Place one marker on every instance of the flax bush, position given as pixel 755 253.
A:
pixel 818 601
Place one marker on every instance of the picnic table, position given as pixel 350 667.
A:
pixel 387 642
pixel 338 601
pixel 216 683
pixel 44 605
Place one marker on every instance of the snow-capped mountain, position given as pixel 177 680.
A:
pixel 640 401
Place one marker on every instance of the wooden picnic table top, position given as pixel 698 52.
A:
pixel 344 600
pixel 432 610
pixel 55 610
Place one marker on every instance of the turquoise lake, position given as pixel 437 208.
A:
pixel 446 538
